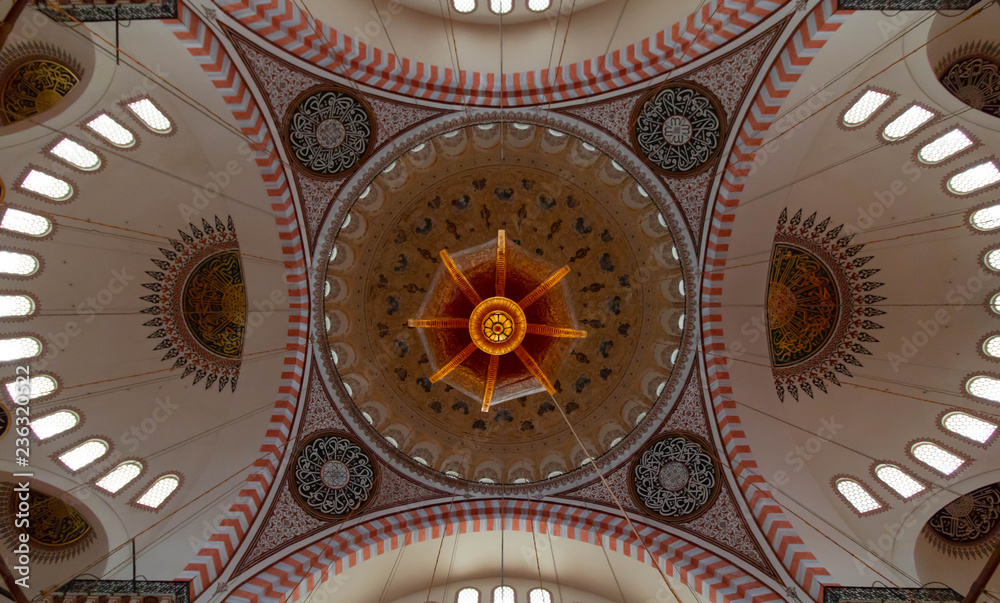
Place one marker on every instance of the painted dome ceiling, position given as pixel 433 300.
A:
pixel 560 202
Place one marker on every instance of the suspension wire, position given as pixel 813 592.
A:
pixel 852 383
pixel 395 567
pixel 604 550
pixel 444 534
pixel 555 568
pixel 534 544
pixel 600 474
pixel 451 563
pixel 618 22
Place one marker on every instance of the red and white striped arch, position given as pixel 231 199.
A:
pixel 206 567
pixel 800 49
pixel 282 23
pixel 290 579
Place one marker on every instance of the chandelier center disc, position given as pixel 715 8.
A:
pixel 497 325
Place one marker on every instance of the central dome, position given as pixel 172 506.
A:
pixel 577 228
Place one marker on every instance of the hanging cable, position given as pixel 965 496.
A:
pixel 444 533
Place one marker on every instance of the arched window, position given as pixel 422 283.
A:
pixel 84 454
pixel 907 123
pixel 47 186
pixel 421 460
pixel 987 218
pixel 76 155
pixel 934 456
pixel 367 417
pixel 150 116
pixel 991 347
pixel 464 6
pixel 639 418
pixel 467 595
pixel 54 424
pixel 155 495
pixel 673 356
pixel 539 5
pixel 898 480
pixel 866 106
pixel 987 388
pixel 615 442
pixel 858 496
pixel 680 322
pixel 107 128
pixel 974 178
pixel 992 259
pixel 944 146
pixel 120 476
pixel 392 441
pixel 486 480
pixel 503 594
pixel 539 595
pixel 19 348
pixel 21 264
pixel 501 7
pixel 23 222
pixel 995 303
pixel 552 474
pixel 969 426
pixel 39 386
pixel 16 305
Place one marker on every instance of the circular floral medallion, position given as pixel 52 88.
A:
pixel 676 476
pixel 332 475
pixel 679 128
pixel 330 132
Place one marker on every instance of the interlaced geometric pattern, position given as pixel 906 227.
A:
pixel 158 492
pixel 330 132
pixel 907 123
pixel 54 424
pixel 987 388
pixel 84 454
pixel 679 129
pixel 945 146
pixel 974 178
pixel 864 108
pixel 971 427
pixel 859 498
pixel 41 385
pixel 937 457
pixel 895 478
pixel 18 348
pixel 332 476
pixel 987 218
pixel 16 220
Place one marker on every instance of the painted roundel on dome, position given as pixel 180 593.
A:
pixel 676 477
pixel 332 476
pixel 679 128
pixel 330 132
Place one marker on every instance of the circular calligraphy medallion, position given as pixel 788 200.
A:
pixel 976 82
pixel 679 128
pixel 676 476
pixel 332 475
pixel 330 131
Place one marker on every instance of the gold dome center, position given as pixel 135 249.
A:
pixel 497 325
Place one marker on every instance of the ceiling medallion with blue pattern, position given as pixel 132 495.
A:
pixel 676 476
pixel 330 131
pixel 679 128
pixel 332 475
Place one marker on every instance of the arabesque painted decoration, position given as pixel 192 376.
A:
pixel 200 303
pixel 676 476
pixel 819 305
pixel 332 475
pixel 679 128
pixel 330 132
pixel 968 526
pixel 34 86
pixel 57 531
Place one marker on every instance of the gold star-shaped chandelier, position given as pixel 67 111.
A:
pixel 470 340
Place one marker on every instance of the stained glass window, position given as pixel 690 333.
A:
pixel 76 154
pixel 18 348
pixel 154 496
pixel 974 178
pixel 945 146
pixel 54 424
pixel 937 457
pixel 22 264
pixel 16 220
pixel 47 186
pixel 866 106
pixel 898 480
pixel 16 305
pixel 992 259
pixel 971 427
pixel 84 454
pixel 112 131
pixel 40 386
pixel 858 496
pixel 984 387
pixel 907 123
pixel 987 218
pixel 150 116
pixel 120 476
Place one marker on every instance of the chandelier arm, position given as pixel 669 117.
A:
pixel 501 263
pixel 459 278
pixel 438 323
pixel 543 288
pixel 453 363
pixel 548 331
pixel 534 369
pixel 491 381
